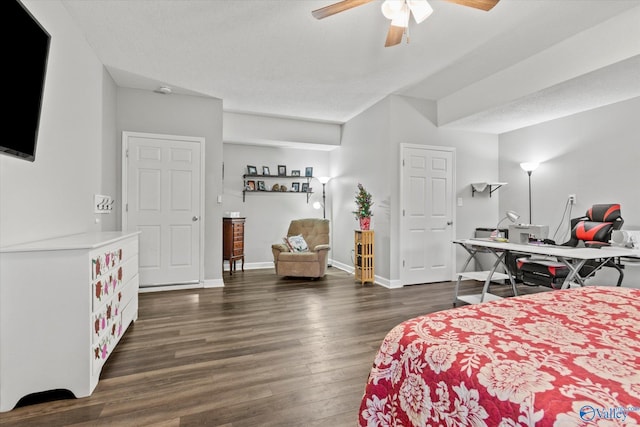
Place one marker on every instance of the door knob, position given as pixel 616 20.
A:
pixel 195 218
pixel 449 222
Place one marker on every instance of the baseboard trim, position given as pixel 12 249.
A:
pixel 213 283
pixel 378 280
pixel 252 266
pixel 161 288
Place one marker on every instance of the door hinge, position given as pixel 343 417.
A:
pixel 126 207
pixel 403 162
pixel 402 212
pixel 402 263
pixel 127 153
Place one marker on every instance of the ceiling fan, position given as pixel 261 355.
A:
pixel 399 12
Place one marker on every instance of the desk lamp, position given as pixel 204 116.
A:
pixel 511 216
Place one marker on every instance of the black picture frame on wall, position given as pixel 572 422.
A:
pixel 252 170
pixel 282 170
pixel 308 171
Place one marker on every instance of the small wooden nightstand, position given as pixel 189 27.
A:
pixel 232 242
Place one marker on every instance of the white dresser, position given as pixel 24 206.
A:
pixel 64 305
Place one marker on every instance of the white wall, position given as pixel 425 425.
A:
pixel 258 129
pixel 145 111
pixel 268 214
pixel 370 154
pixel 594 155
pixel 54 195
pixel 362 158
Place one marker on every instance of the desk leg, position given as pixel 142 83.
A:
pixel 510 273
pixel 472 254
pixel 574 272
pixel 455 293
pixel 499 261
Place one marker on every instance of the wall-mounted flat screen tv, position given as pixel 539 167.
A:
pixel 25 50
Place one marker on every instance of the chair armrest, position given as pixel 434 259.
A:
pixel 280 247
pixel 321 248
pixel 277 249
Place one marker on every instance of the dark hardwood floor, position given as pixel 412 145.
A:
pixel 262 351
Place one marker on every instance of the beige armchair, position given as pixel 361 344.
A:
pixel 312 263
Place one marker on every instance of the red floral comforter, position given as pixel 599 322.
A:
pixel 561 358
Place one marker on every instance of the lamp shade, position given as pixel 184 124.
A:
pixel 529 166
pixel 513 216
pixel 324 179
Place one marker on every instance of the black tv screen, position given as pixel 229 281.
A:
pixel 25 54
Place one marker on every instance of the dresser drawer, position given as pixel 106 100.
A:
pixel 129 291
pixel 107 284
pixel 104 319
pixel 103 347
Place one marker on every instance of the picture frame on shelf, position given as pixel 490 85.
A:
pixel 305 187
pixel 282 170
pixel 295 186
pixel 308 171
pixel 252 170
pixel 251 185
pixel 265 171
pixel 261 186
pixel 295 172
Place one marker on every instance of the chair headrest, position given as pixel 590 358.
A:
pixel 604 213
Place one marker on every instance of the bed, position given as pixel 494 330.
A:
pixel 559 358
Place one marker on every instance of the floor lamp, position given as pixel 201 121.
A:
pixel 323 180
pixel 529 167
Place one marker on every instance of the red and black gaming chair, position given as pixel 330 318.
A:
pixel 592 230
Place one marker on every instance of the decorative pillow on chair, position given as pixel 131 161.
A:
pixel 297 244
pixel 287 244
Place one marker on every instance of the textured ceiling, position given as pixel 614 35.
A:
pixel 524 62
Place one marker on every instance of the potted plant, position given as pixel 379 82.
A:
pixel 363 203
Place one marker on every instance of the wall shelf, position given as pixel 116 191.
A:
pixel 257 178
pixel 479 187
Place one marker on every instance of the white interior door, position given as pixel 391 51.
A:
pixel 427 230
pixel 162 199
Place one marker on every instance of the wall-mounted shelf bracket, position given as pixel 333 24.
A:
pixel 482 186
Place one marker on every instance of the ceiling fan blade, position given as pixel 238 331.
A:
pixel 394 35
pixel 341 6
pixel 485 5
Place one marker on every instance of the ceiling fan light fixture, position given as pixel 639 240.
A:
pixel 402 18
pixel 391 8
pixel 421 9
